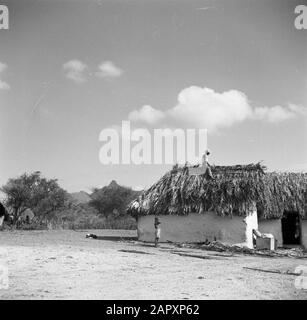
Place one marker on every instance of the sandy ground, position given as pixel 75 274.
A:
pixel 66 265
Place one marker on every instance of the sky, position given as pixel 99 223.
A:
pixel 69 69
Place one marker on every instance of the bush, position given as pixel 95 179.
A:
pixel 35 224
pixel 54 209
pixel 112 200
pixel 79 217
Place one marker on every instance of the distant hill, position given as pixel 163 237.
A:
pixel 114 184
pixel 80 197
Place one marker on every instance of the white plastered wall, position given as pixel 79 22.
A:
pixel 251 221
pixel 199 228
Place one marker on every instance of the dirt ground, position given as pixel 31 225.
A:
pixel 66 265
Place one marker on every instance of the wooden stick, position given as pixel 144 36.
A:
pixel 274 271
pixel 194 256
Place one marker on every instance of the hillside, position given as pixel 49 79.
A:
pixel 80 197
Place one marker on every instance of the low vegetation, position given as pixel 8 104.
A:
pixel 55 208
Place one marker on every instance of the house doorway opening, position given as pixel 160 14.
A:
pixel 291 228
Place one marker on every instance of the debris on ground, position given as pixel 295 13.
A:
pixel 134 251
pixel 91 235
pixel 298 253
pixel 288 272
pixel 111 238
pixel 194 255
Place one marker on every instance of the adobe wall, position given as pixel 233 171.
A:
pixel 194 228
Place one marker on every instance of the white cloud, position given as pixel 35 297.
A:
pixel 146 114
pixel 277 113
pixel 78 71
pixel 75 70
pixel 108 69
pixel 3 85
pixel 205 108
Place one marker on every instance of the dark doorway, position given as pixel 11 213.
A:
pixel 291 228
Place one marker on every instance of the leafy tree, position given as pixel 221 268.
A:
pixel 32 191
pixel 112 199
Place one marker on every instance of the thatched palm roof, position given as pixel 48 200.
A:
pixel 232 192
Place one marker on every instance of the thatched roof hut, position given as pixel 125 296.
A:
pixel 231 192
pixel 27 215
